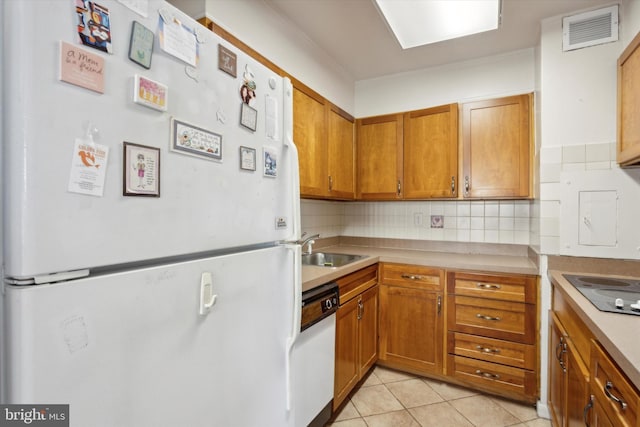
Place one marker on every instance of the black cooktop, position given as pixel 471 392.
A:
pixel 614 295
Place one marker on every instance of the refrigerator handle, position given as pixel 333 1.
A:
pixel 293 159
pixel 296 317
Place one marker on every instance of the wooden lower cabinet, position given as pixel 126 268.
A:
pixel 356 331
pixel 411 318
pixel 493 333
pixel 568 378
pixel 586 387
pixel 611 391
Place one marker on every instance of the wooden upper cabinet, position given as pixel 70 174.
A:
pixel 496 145
pixel 629 104
pixel 323 134
pixel 341 155
pixel 379 154
pixel 431 153
pixel 310 136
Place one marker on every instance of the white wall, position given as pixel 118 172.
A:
pixel 494 76
pixel 284 44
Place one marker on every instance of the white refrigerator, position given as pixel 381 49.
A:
pixel 159 293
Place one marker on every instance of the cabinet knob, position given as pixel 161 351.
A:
pixel 399 188
pixel 330 183
pixel 453 185
pixel 467 185
pixel 487 350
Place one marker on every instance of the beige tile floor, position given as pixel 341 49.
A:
pixel 389 398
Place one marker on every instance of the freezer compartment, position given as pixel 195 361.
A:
pixel 132 349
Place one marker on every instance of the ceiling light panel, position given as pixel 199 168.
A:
pixel 420 22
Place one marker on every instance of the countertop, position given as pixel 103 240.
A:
pixel 314 276
pixel 618 333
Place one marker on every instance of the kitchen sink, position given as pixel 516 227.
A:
pixel 325 259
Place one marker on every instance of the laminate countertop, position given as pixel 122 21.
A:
pixel 617 333
pixel 314 276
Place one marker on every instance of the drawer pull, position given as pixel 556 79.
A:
pixel 412 276
pixel 487 286
pixel 607 390
pixel 488 375
pixel 487 349
pixel 482 316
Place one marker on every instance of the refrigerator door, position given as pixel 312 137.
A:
pixel 204 205
pixel 132 349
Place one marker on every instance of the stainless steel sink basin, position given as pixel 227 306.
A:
pixel 324 259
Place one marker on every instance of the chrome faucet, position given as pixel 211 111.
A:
pixel 309 241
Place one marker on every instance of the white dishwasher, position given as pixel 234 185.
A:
pixel 313 357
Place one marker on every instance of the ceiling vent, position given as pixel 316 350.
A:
pixel 590 28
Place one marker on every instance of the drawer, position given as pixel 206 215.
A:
pixel 612 390
pixel 492 350
pixel 504 320
pixel 356 283
pixel 506 288
pixel 504 380
pixel 413 276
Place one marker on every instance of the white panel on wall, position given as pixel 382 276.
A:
pixel 596 213
pixel 597 218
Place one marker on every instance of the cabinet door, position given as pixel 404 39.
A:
pixel 411 328
pixel 577 387
pixel 497 147
pixel 347 369
pixel 431 152
pixel 309 135
pixel 341 155
pixel 557 372
pixel 379 153
pixel 629 104
pixel 368 338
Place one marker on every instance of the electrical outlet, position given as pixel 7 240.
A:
pixel 418 219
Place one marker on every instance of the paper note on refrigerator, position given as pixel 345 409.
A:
pixel 88 168
pixel 178 40
pixel 271 114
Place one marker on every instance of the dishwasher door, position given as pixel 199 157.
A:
pixel 313 357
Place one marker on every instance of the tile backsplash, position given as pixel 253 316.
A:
pixel 461 221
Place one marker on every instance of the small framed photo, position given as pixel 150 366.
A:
pixel 247 158
pixel 150 93
pixel 195 141
pixel 141 45
pixel 270 158
pixel 227 61
pixel 141 170
pixel 248 117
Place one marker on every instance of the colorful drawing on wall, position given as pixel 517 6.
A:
pixel 94 25
pixel 150 93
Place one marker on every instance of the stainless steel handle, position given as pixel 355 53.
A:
pixel 412 276
pixel 607 390
pixel 487 350
pixel 330 183
pixel 487 375
pixel 439 304
pixel 585 411
pixel 360 308
pixel 467 185
pixel 487 286
pixel 399 188
pixel 484 317
pixel 561 348
pixel 453 185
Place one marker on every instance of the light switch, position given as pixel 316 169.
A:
pixel 598 218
